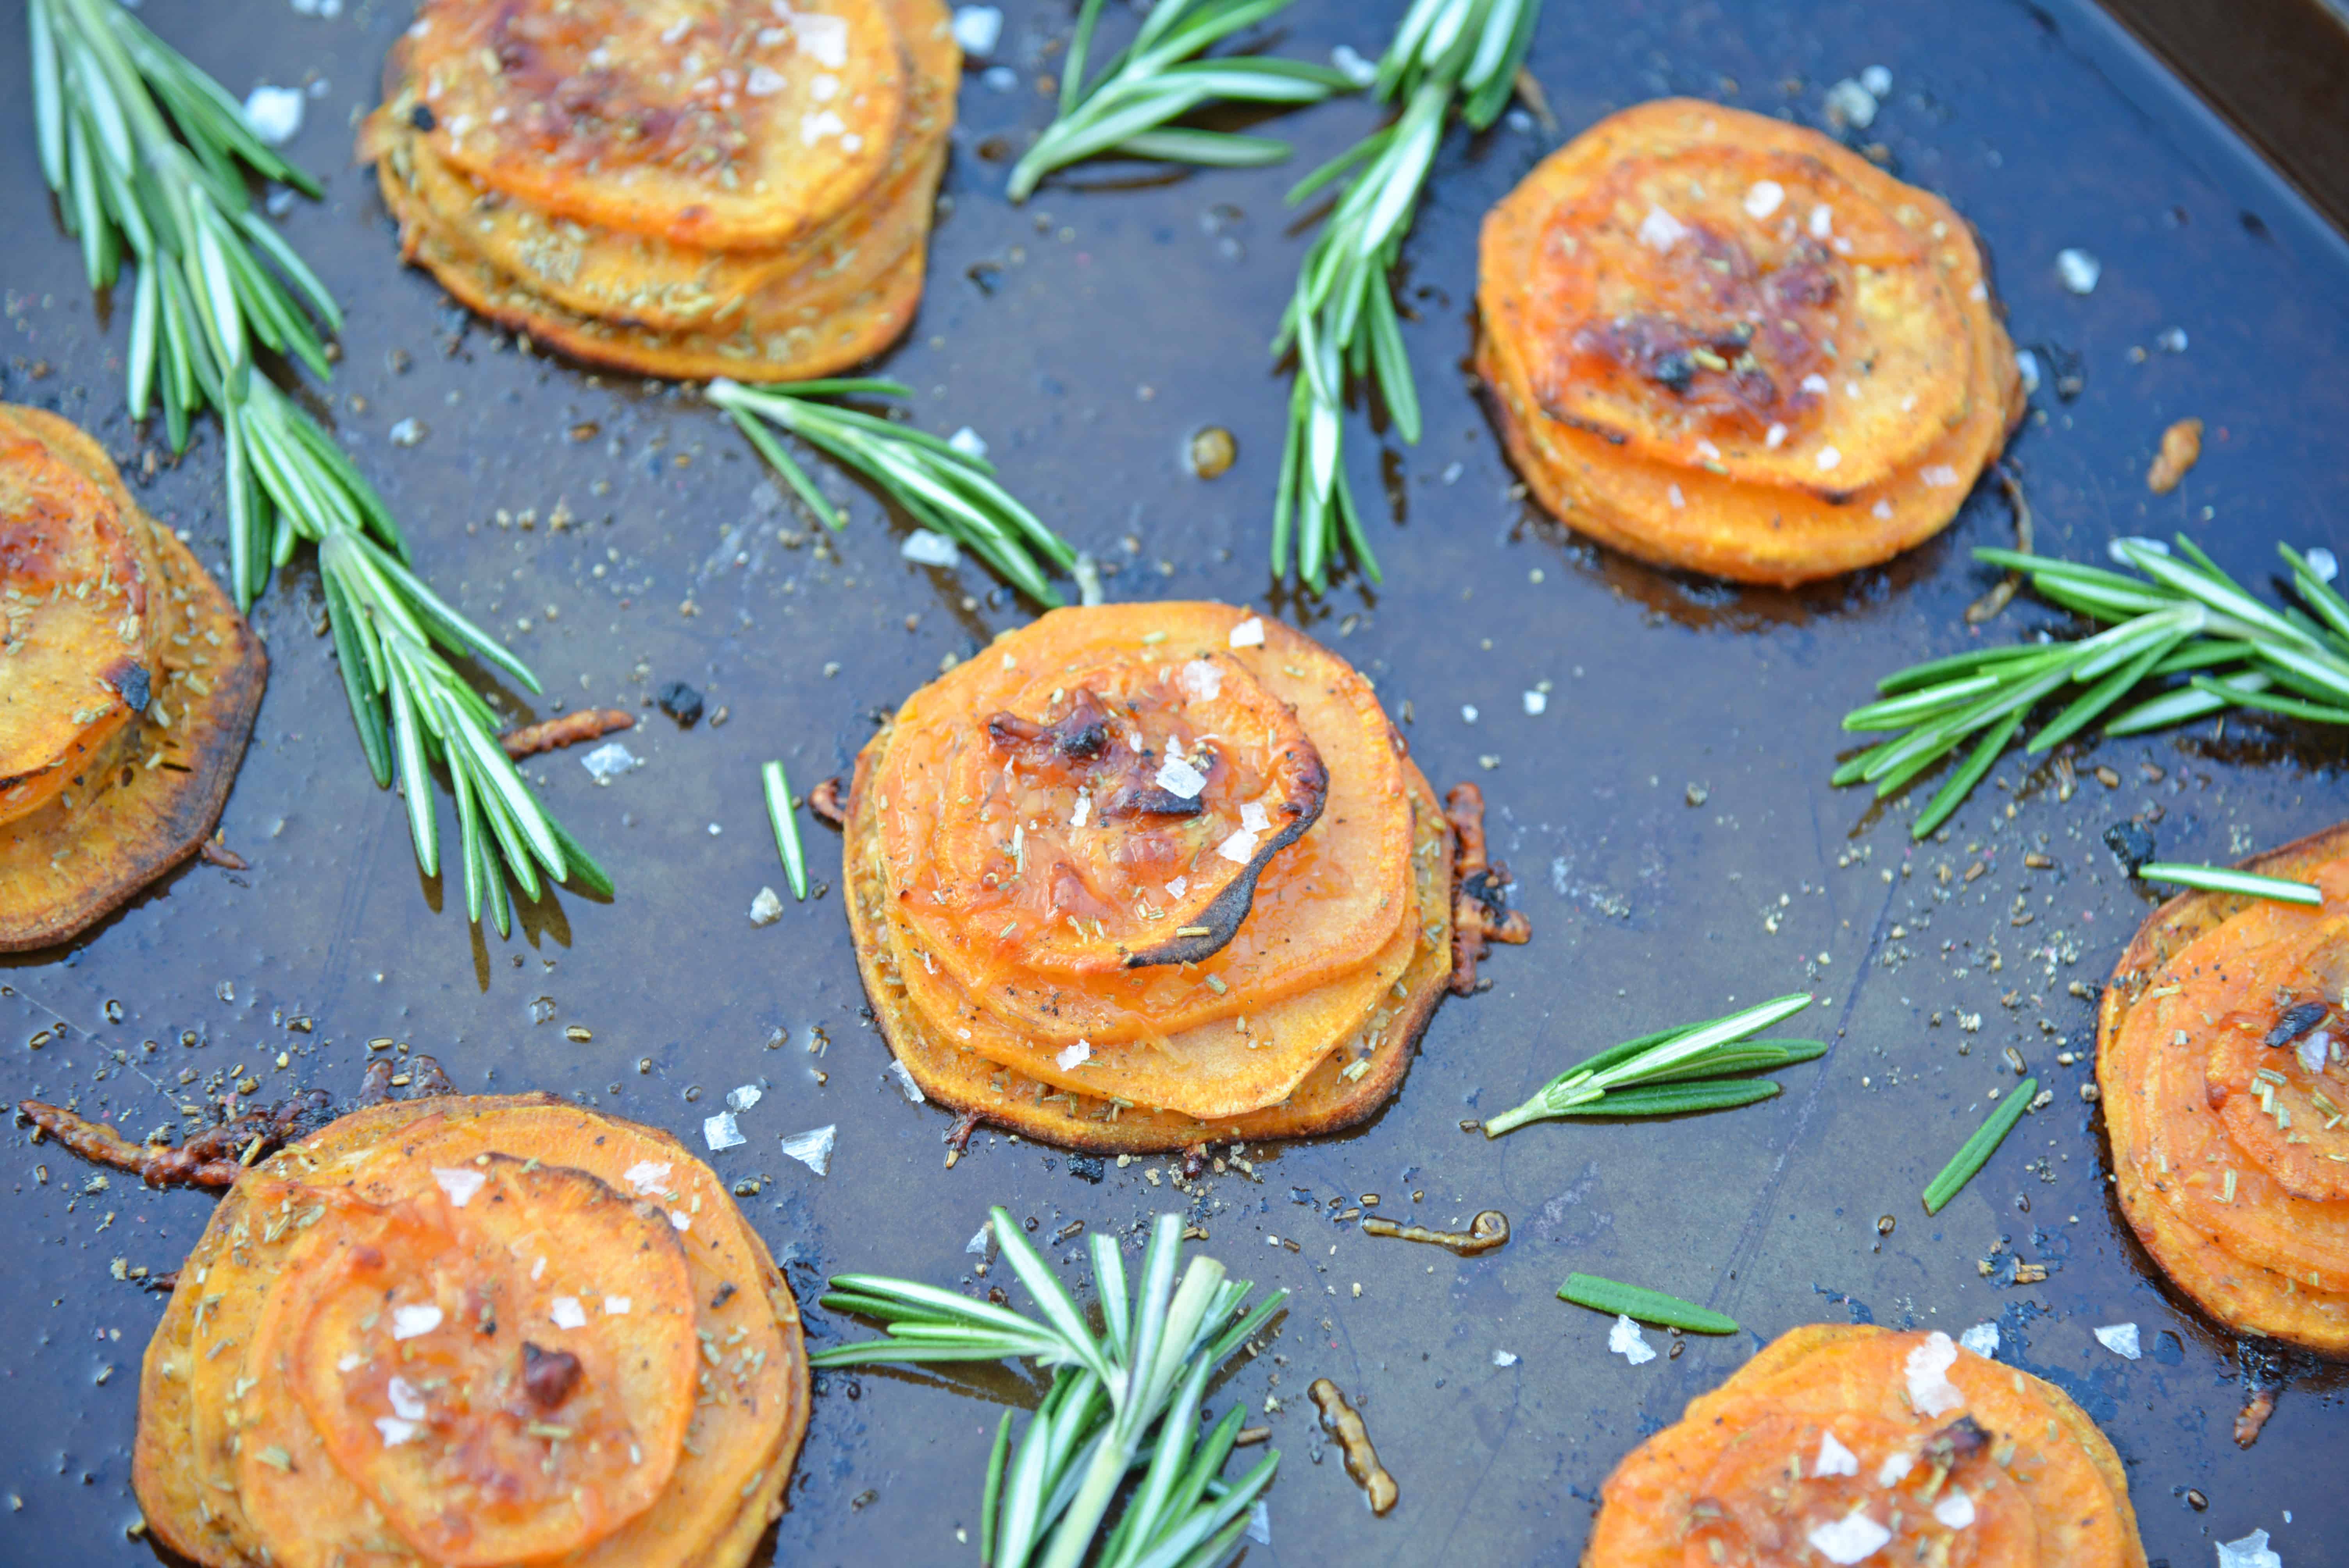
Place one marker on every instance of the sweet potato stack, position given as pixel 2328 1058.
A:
pixel 1862 1445
pixel 693 188
pixel 1140 876
pixel 2224 1087
pixel 1721 342
pixel 473 1331
pixel 128 687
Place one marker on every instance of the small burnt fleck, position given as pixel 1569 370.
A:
pixel 2131 845
pixel 680 702
pixel 422 117
pixel 1086 1167
pixel 2296 1021
pixel 548 1376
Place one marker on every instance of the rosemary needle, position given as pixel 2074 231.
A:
pixel 1978 1148
pixel 1673 1072
pixel 2220 879
pixel 1615 1297
pixel 781 816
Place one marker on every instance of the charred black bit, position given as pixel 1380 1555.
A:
pixel 421 117
pixel 1478 914
pixel 548 1377
pixel 725 1293
pixel 680 702
pixel 1079 737
pixel 2296 1021
pixel 1344 1423
pixel 1086 1168
pixel 1487 1230
pixel 2131 845
pixel 1962 1438
pixel 133 684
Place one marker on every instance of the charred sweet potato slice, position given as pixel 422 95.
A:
pixel 120 771
pixel 727 124
pixel 1938 1456
pixel 1321 907
pixel 2224 1087
pixel 1121 1107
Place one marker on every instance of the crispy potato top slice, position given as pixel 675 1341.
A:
pixel 731 124
pixel 74 660
pixel 964 766
pixel 499 1353
pixel 1730 294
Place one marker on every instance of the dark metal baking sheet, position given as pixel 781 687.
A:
pixel 1086 337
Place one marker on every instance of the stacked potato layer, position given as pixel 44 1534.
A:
pixel 2225 1086
pixel 1721 342
pixel 128 686
pixel 1139 876
pixel 473 1330
pixel 692 188
pixel 1859 1444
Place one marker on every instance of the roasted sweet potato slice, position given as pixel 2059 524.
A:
pixel 727 124
pixel 129 689
pixel 1653 499
pixel 1938 1456
pixel 1113 1111
pixel 1321 907
pixel 2227 1148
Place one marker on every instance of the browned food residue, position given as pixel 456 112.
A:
pixel 1486 1231
pixel 2254 1416
pixel 824 801
pixel 1362 1459
pixel 1212 453
pixel 1991 603
pixel 2181 446
pixel 568 729
pixel 1478 914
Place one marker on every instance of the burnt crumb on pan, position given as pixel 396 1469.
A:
pixel 215 1157
pixel 680 702
pixel 550 733
pixel 2181 449
pixel 825 802
pixel 1479 914
pixel 422 117
pixel 2131 845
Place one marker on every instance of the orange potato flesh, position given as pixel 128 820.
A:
pixel 2036 1470
pixel 425 1352
pixel 2226 1157
pixel 715 123
pixel 1698 514
pixel 1322 907
pixel 101 807
pixel 747 1417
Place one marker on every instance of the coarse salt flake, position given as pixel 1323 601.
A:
pixel 1536 701
pixel 1940 476
pixel 2121 1340
pixel 1253 818
pixel 2321 561
pixel 2027 364
pixel 680 1219
pixel 1854 1537
pixel 2250 1551
pixel 1672 494
pixel 812 1148
pixel 978 28
pixel 2078 270
pixel 1814 382
pixel 764 81
pixel 1504 1358
pixel 1074 1057
pixel 1775 436
pixel 566 1311
pixel 274 113
pixel 1468 713
pixel 968 442
pixel 767 908
pixel 616 1306
pixel 744 1097
pixel 609 761
pixel 1822 221
pixel 825 38
pixel 1955 1511
pixel 1659 230
pixel 1624 1340
pixel 395 1430
pixel 1249 634
pixel 1259 1524
pixel 1084 808
pixel 1981 1339
pixel 823 88
pixel 1828 457
pixel 350 1360
pixel 406 1399
pixel 408 1321
pixel 912 1090
pixel 1708 451
pixel 814 126
pixel 1203 680
pixel 1931 1392
pixel 925 548
pixel 1178 777
pixel 721 1131
pixel 461 1183
pixel 1240 849
pixel 1763 198
pixel 1882 510
pixel 1897 1464
pixel 647 1175
pixel 1833 1458
pixel 1177 886
pixel 2313 1049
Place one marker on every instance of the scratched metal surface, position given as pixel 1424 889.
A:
pixel 1086 337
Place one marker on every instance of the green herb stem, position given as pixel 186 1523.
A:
pixel 1618 1299
pixel 2222 879
pixel 1977 1149
pixel 785 822
pixel 1673 1071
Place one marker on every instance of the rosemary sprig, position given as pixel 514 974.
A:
pixel 781 817
pixel 1672 1071
pixel 951 492
pixel 2181 621
pixel 2221 879
pixel 1976 1150
pixel 1158 79
pixel 149 158
pixel 1046 1498
pixel 1616 1299
pixel 1342 320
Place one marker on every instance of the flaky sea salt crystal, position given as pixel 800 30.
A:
pixel 395 1431
pixel 1083 810
pixel 1537 703
pixel 1203 680
pixel 1763 198
pixel 1897 1464
pixel 744 1097
pixel 2321 561
pixel 2078 271
pixel 1504 1358
pixel 406 1399
pixel 1852 103
pixel 1854 1537
pixel 609 761
pixel 812 1148
pixel 969 443
pixel 905 1084
pixel 1827 457
pixel 1179 778
pixel 721 1131
pixel 274 113
pixel 616 1306
pixel 461 1183
pixel 1253 818
pixel 1249 634
pixel 1833 1458
pixel 982 1243
pixel 647 1175
pixel 1931 1392
pixel 1955 1511
pixel 1981 1339
pixel 2027 363
pixel 924 548
pixel 565 1311
pixel 2120 1339
pixel 1624 1340
pixel 1659 230
pixel 767 908
pixel 1259 1524
pixel 408 1321
pixel 2312 1050
pixel 1240 849
pixel 1360 71
pixel 1177 886
pixel 2250 1551
pixel 1074 1057
pixel 977 30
